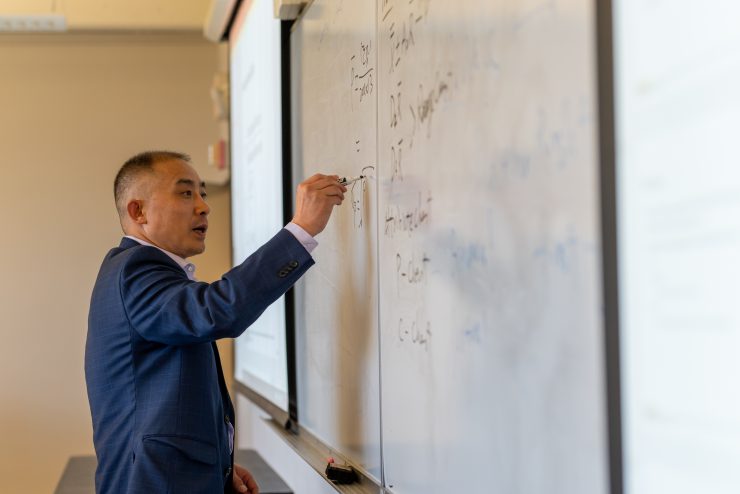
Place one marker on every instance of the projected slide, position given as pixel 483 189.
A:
pixel 677 102
pixel 257 212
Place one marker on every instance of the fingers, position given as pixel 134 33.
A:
pixel 334 190
pixel 319 177
pixel 315 200
pixel 335 194
pixel 326 184
pixel 320 181
pixel 252 486
pixel 246 485
pixel 243 481
pixel 239 485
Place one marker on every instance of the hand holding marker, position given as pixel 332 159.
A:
pixel 347 181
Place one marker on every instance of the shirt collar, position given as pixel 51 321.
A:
pixel 186 266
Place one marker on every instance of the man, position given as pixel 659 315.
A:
pixel 162 416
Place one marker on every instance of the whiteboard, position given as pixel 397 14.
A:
pixel 466 270
pixel 260 354
pixel 677 73
pixel 491 348
pixel 334 117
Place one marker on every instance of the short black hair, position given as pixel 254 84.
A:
pixel 133 167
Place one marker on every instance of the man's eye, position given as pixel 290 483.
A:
pixel 188 193
pixel 204 195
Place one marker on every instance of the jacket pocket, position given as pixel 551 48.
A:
pixel 190 447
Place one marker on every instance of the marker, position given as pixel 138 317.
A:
pixel 347 181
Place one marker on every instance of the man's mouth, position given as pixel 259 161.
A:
pixel 201 229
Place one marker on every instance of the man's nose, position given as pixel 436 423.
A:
pixel 203 207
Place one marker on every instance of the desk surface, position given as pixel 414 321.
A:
pixel 79 474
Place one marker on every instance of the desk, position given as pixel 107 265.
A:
pixel 79 474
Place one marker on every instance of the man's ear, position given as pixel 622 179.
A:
pixel 135 210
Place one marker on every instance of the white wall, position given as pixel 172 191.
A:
pixel 72 109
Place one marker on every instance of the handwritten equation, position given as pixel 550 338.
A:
pixel 358 196
pixel 414 332
pixel 411 106
pixel 362 83
pixel 406 219
pixel 408 104
pixel 362 87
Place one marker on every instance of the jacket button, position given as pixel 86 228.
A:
pixel 283 273
pixel 226 419
pixel 293 264
pixel 227 472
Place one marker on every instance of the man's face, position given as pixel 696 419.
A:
pixel 176 212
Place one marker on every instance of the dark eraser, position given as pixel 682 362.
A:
pixel 340 474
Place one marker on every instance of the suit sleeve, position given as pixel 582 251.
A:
pixel 164 306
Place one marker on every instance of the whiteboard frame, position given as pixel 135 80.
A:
pixel 610 261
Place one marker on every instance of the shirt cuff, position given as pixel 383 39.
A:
pixel 308 242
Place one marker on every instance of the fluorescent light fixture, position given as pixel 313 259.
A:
pixel 32 23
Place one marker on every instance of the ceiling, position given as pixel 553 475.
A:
pixel 117 15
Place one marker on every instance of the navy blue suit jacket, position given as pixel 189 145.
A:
pixel 157 395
